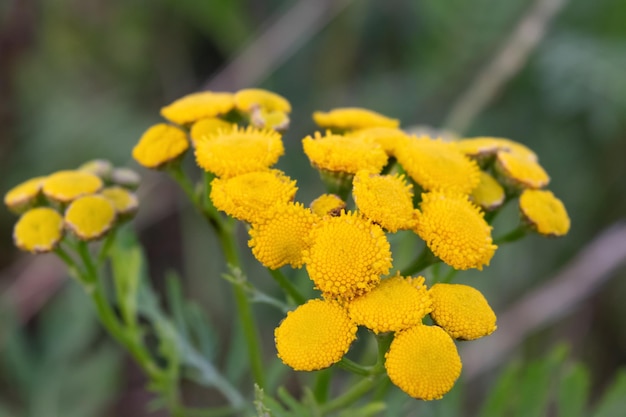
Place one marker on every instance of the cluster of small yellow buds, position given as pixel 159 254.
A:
pixel 87 201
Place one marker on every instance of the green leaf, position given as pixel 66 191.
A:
pixel 502 395
pixel 613 403
pixel 573 392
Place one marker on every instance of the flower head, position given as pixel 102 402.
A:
pixel 314 336
pixel 350 118
pixel 239 151
pixel 455 230
pixel 159 145
pixel 207 127
pixel 489 194
pixel 544 212
pixel 328 204
pixel 462 311
pixel 423 362
pixel 384 199
pixel 23 195
pixel 481 147
pixel 124 201
pixel 39 230
pixel 247 197
pixel 125 177
pixel 348 254
pixel 90 217
pixel 347 154
pixel 196 106
pixel 249 99
pixel 387 137
pixel 100 167
pixel 269 119
pixel 521 171
pixel 397 303
pixel 282 237
pixel 65 186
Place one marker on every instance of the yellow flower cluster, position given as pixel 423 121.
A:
pixel 88 201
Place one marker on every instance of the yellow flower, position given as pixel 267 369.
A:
pixel 124 201
pixel 65 186
pixel 348 254
pixel 23 195
pixel 100 167
pixel 455 230
pixel 544 212
pixel 384 199
pixel 423 362
pixel 159 145
pixel 196 106
pixel 125 177
pixel 282 237
pixel 397 303
pixel 344 153
pixel 239 151
pixel 487 146
pixel 207 127
pixel 249 99
pixel 265 119
pixel 387 137
pixel 350 118
pixel 314 336
pixel 328 204
pixel 462 311
pixel 521 171
pixel 247 197
pixel 38 230
pixel 437 165
pixel 90 217
pixel 489 194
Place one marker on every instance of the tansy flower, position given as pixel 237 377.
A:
pixel 489 194
pixel 239 151
pixel 125 177
pixel 397 303
pixel 437 165
pixel 348 254
pixel 198 106
pixel 65 186
pixel 38 230
pixel 462 311
pixel 124 201
pixel 544 212
pixel 521 171
pixel 351 118
pixel 384 199
pixel 423 362
pixel 314 336
pixel 455 230
pixel 159 145
pixel 247 197
pixel 344 153
pixel 100 167
pixel 249 99
pixel 23 195
pixel 90 217
pixel 266 119
pixel 206 127
pixel 387 137
pixel 281 238
pixel 481 147
pixel 328 204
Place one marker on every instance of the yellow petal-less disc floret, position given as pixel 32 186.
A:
pixel 384 199
pixel 249 99
pixel 39 230
pixel 196 106
pixel 207 127
pixel 481 147
pixel 100 167
pixel 348 154
pixel 351 118
pixel 423 362
pixel 23 195
pixel 437 165
pixel 125 177
pixel 396 304
pixel 314 336
pixel 328 204
pixel 545 213
pixel 159 145
pixel 283 236
pixel 348 254
pixel 247 197
pixel 65 186
pixel 266 119
pixel 455 230
pixel 387 137
pixel 521 171
pixel 90 217
pixel 239 151
pixel 124 201
pixel 489 194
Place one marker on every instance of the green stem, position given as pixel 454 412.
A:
pixel 353 394
pixel 208 211
pixel 106 245
pixel 512 236
pixel 351 366
pixel 424 260
pixel 287 286
pixel 322 383
pixel 449 276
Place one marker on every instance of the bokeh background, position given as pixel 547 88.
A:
pixel 83 79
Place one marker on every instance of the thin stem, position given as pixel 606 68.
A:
pixel 287 286
pixel 351 366
pixel 353 394
pixel 449 276
pixel 322 383
pixel 512 236
pixel 106 245
pixel 424 260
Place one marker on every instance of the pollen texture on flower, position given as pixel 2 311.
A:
pixel 328 204
pixel 462 311
pixel 544 212
pixel 455 230
pixel 38 230
pixel 314 336
pixel 489 194
pixel 387 137
pixel 423 362
pixel 348 254
pixel 65 186
pixel 196 106
pixel 207 127
pixel 521 171
pixel 90 217
pixel 351 118
pixel 397 303
pixel 22 195
pixel 159 145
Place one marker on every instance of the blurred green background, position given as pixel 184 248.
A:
pixel 83 79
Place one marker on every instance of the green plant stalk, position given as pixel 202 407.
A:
pixel 322 384
pixel 353 394
pixel 424 260
pixel 287 286
pixel 511 236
